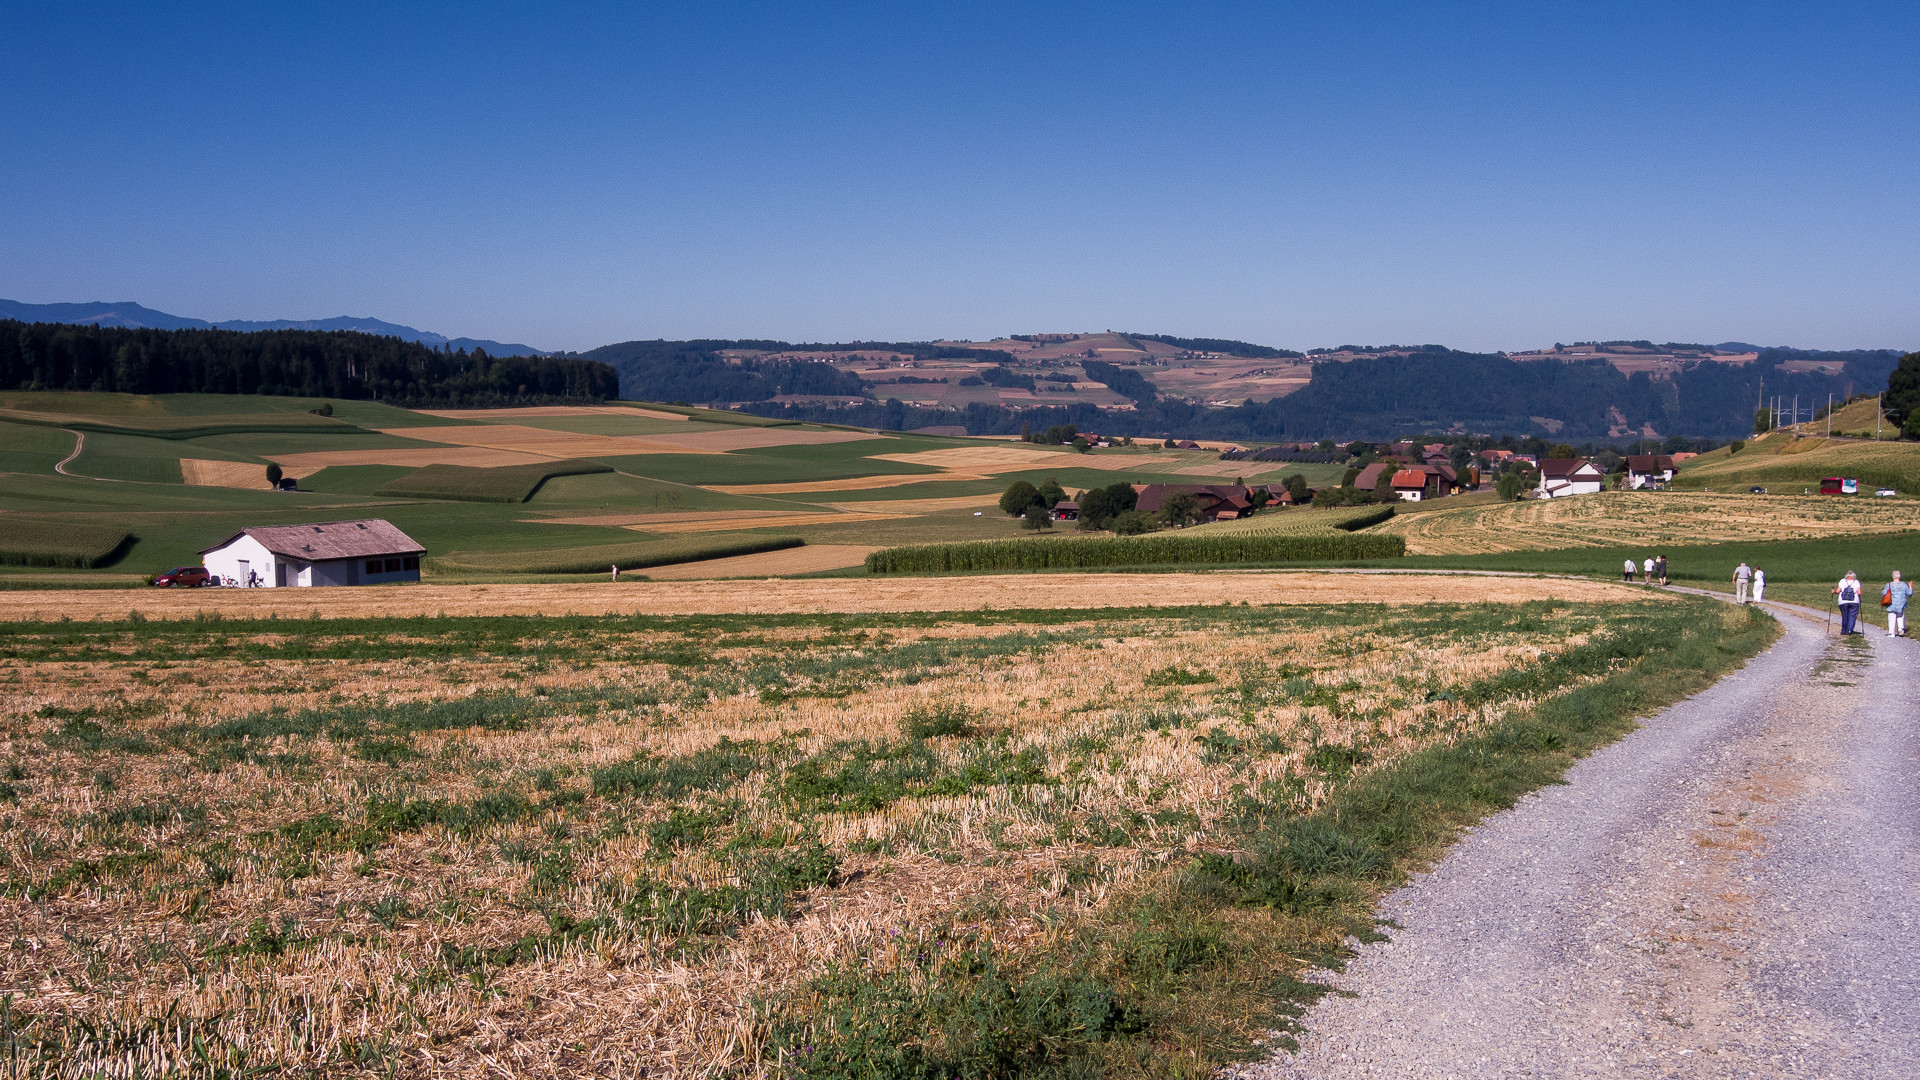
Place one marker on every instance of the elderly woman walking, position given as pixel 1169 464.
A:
pixel 1894 598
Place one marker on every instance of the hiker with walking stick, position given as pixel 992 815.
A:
pixel 1848 592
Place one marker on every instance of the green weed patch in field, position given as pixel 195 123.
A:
pixel 598 558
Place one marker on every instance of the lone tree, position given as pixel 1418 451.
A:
pixel 1036 518
pixel 273 474
pixel 1016 499
pixel 1297 487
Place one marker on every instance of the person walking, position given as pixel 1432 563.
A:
pixel 1759 584
pixel 1894 598
pixel 1628 573
pixel 1848 590
pixel 1660 567
pixel 1646 571
pixel 1742 580
pixel 616 573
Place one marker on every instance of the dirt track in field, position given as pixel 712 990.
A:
pixel 1012 592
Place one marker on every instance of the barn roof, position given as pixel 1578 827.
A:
pixel 324 540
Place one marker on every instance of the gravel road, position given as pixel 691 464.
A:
pixel 1732 891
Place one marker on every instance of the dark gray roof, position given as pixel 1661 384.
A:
pixel 329 540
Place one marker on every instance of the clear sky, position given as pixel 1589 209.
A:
pixel 1477 175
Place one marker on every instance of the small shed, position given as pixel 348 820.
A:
pixel 368 552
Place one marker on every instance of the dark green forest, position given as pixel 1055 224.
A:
pixel 1434 389
pixel 297 363
pixel 694 371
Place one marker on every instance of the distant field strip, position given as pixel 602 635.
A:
pixel 1182 548
pixel 472 456
pixel 201 472
pixel 1612 518
pixel 923 506
pixel 801 560
pixel 852 483
pixel 754 438
pixel 545 442
pixel 549 410
pixel 601 558
pixel 851 595
pixel 509 484
pixel 783 521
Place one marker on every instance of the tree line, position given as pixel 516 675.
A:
pixel 297 363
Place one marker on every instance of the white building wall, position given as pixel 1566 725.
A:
pixel 232 562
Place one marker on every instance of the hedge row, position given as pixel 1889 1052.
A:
pixel 51 543
pixel 466 483
pixel 1178 547
pixel 598 558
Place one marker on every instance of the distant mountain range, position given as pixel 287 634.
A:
pixel 134 315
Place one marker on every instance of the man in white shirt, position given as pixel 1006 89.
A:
pixel 1742 578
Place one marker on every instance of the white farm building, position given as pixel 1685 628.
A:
pixel 369 552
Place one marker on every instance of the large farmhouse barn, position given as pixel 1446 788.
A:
pixel 1569 476
pixel 367 552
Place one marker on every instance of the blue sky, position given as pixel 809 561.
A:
pixel 1479 175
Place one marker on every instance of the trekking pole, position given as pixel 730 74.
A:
pixel 1829 615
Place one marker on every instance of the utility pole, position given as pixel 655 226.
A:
pixel 1829 414
pixel 1877 416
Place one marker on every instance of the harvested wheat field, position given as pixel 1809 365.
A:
pixel 800 560
pixel 750 438
pixel 990 592
pixel 1643 518
pixel 203 472
pixel 758 846
pixel 698 521
pixel 922 506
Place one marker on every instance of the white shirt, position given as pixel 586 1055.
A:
pixel 1649 566
pixel 1859 590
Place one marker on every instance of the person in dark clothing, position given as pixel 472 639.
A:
pixel 1848 592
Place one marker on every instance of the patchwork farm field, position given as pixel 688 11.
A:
pixel 1104 841
pixel 181 472
pixel 1641 519
pixel 1790 465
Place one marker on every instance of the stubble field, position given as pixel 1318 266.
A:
pixel 1645 519
pixel 971 843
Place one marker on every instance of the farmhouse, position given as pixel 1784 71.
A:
pixel 1218 502
pixel 1410 484
pixel 1644 469
pixel 1569 476
pixel 368 552
pixel 1066 510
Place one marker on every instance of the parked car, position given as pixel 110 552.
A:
pixel 183 577
pixel 1886 493
pixel 1757 490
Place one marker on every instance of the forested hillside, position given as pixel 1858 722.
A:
pixel 303 363
pixel 1434 389
pixel 696 370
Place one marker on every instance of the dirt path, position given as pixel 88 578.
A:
pixel 1732 891
pixel 79 444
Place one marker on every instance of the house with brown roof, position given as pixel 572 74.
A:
pixel 1569 476
pixel 366 552
pixel 1644 469
pixel 1066 510
pixel 1218 502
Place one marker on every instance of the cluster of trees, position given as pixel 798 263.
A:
pixel 1058 435
pixel 1217 345
pixel 1903 396
pixel 298 363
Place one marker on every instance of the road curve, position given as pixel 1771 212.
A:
pixel 79 444
pixel 1731 891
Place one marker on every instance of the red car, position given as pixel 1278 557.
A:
pixel 183 577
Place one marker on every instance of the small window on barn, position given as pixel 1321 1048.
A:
pixel 393 566
pixel 412 562
pixel 373 566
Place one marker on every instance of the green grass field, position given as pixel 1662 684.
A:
pixel 505 484
pixel 1787 465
